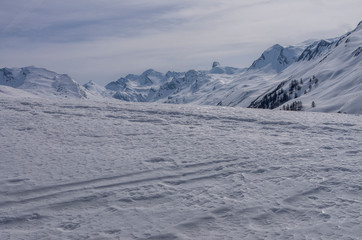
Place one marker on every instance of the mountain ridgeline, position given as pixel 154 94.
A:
pixel 39 82
pixel 323 76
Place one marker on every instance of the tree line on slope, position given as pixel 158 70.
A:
pixel 281 95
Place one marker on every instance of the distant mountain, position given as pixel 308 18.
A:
pixel 327 77
pixel 95 91
pixel 277 58
pixel 326 73
pixel 323 75
pixel 221 85
pixel 41 82
pixel 314 50
pixel 136 88
pixel 218 69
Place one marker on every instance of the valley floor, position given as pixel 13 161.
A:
pixel 88 170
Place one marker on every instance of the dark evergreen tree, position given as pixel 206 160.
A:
pixel 285 97
pixel 300 106
pixel 313 104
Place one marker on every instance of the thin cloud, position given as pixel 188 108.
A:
pixel 102 40
pixel 80 20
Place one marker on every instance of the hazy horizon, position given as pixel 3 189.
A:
pixel 104 40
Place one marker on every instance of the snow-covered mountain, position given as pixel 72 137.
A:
pixel 323 75
pixel 326 72
pixel 327 77
pixel 96 91
pixel 136 88
pixel 277 58
pixel 218 69
pixel 39 82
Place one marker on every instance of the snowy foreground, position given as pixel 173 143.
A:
pixel 88 170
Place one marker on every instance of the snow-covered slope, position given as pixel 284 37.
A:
pixel 335 63
pixel 96 91
pixel 324 73
pixel 194 86
pixel 277 58
pixel 136 88
pixel 221 85
pixel 328 73
pixel 6 91
pixel 93 170
pixel 41 82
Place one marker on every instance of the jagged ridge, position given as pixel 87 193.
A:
pixel 334 62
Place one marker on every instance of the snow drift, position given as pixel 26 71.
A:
pixel 75 169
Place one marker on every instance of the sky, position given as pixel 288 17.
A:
pixel 103 40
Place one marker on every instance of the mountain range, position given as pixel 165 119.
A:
pixel 323 76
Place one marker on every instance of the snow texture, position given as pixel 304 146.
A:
pixel 41 82
pixel 74 169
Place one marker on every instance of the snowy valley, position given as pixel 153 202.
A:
pixel 201 154
pixel 280 78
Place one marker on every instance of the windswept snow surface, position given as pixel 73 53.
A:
pixel 95 170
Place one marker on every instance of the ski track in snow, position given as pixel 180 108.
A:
pixel 91 170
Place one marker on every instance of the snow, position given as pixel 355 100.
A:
pixel 277 58
pixel 96 92
pixel 6 91
pixel 218 69
pixel 41 82
pixel 137 88
pixel 77 163
pixel 338 70
pixel 82 169
pixel 336 63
